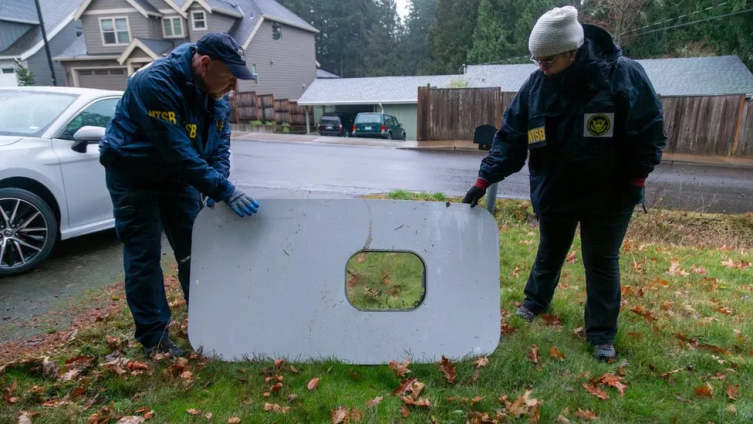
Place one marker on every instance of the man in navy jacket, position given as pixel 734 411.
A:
pixel 169 142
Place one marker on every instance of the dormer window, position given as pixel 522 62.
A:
pixel 115 31
pixel 198 21
pixel 172 27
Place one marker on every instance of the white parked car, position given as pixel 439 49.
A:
pixel 52 186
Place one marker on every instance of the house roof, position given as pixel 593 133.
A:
pixel 153 48
pixel 321 73
pixel 227 7
pixel 56 14
pixel 159 47
pixel 719 75
pixel 385 90
pixel 19 11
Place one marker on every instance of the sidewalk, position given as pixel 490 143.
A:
pixel 467 146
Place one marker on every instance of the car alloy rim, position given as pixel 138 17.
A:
pixel 23 233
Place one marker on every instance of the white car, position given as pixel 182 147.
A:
pixel 52 186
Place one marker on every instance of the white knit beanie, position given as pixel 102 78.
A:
pixel 557 31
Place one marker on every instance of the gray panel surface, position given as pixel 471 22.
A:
pixel 274 285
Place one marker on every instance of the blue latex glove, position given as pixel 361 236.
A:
pixel 210 202
pixel 242 203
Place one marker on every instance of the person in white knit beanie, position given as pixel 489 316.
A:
pixel 590 126
pixel 555 39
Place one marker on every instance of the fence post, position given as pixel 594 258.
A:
pixel 738 126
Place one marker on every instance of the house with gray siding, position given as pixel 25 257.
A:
pixel 121 36
pixel 21 42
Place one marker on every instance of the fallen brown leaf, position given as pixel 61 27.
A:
pixel 404 386
pixel 8 393
pixel 533 355
pixel 481 362
pixel 477 399
pixel 448 369
pixel 562 420
pixel 208 416
pixel 416 402
pixel 50 369
pixel 516 272
pixel 637 309
pixel 571 258
pixel 725 311
pixel 523 405
pixel 193 412
pixel 733 392
pixel 579 334
pixel 552 320
pixel 294 370
pixel 506 328
pixel 400 368
pixel 279 362
pixel 676 271
pixel 405 411
pixel 596 391
pixel 131 420
pixel 634 335
pixel 24 418
pixel 704 391
pixel 556 353
pixel 234 420
pixel 612 380
pixel 276 388
pixel 586 415
pixel 313 384
pixel 374 402
pixel 273 407
pixel 356 415
pixel 699 270
pixel 339 415
pixel 666 306
pixel 415 389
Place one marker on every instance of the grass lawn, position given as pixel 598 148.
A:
pixel 684 348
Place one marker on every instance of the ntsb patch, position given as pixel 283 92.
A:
pixel 598 125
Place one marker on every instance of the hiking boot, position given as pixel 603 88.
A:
pixel 525 313
pixel 165 346
pixel 605 352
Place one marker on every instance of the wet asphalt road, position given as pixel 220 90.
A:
pixel 292 170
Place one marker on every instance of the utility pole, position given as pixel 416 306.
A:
pixel 46 45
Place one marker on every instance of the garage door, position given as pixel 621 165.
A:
pixel 106 79
pixel 8 77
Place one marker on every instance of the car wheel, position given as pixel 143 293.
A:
pixel 389 136
pixel 28 230
pixel 405 136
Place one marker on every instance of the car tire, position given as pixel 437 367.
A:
pixel 389 136
pixel 35 247
pixel 405 136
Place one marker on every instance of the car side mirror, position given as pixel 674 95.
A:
pixel 85 136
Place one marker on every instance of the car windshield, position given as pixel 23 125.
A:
pixel 28 113
pixel 369 119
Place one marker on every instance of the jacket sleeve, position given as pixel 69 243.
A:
pixel 157 110
pixel 645 135
pixel 510 146
pixel 220 159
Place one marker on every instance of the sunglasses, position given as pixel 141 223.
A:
pixel 546 62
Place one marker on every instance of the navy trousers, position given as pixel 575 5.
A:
pixel 143 206
pixel 601 239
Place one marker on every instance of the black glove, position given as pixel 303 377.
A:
pixel 476 192
pixel 636 193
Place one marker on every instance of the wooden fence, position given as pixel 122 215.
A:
pixel 249 106
pixel 711 125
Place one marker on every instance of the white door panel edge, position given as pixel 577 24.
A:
pixel 274 285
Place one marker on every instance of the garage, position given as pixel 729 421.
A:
pixel 8 77
pixel 103 78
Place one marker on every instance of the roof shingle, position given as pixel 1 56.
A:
pixel 19 10
pixel 54 12
pixel 385 90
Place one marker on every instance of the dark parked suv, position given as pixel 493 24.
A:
pixel 380 125
pixel 336 123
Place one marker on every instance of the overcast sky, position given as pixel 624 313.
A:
pixel 402 7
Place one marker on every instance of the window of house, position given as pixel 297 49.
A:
pixel 276 31
pixel 8 70
pixel 115 31
pixel 172 27
pixel 198 21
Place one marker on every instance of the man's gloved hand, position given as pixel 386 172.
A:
pixel 476 192
pixel 242 203
pixel 209 203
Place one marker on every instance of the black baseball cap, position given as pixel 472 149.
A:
pixel 220 46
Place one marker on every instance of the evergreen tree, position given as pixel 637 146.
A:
pixel 451 35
